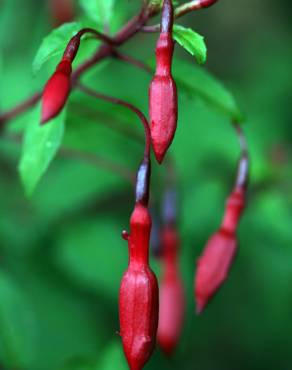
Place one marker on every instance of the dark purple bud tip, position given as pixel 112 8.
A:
pixel 125 235
pixel 167 16
pixel 143 181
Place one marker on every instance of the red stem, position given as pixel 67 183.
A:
pixel 106 120
pixel 129 30
pixel 99 162
pixel 98 35
pixel 135 62
pixel 183 10
pixel 22 107
pixel 123 103
pixel 193 5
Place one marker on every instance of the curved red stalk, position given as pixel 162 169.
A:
pixel 193 5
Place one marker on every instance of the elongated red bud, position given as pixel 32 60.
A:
pixel 58 87
pixel 138 298
pixel 56 92
pixel 215 262
pixel 171 296
pixel 213 266
pixel 162 91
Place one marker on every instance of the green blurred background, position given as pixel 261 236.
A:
pixel 62 256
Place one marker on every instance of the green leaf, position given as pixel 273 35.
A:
pixel 69 323
pixel 40 146
pixel 17 327
pixel 99 11
pixel 54 44
pixel 197 81
pixel 191 41
pixel 111 358
pixel 83 250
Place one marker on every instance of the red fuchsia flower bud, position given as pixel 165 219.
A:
pixel 138 298
pixel 215 262
pixel 58 87
pixel 162 91
pixel 56 91
pixel 171 298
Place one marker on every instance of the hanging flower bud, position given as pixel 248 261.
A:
pixel 138 298
pixel 171 297
pixel 214 264
pixel 58 87
pixel 56 92
pixel 162 91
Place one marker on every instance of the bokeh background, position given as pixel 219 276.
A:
pixel 62 256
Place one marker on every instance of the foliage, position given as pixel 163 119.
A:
pixel 61 253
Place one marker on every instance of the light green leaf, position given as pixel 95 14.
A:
pixel 40 146
pixel 99 11
pixel 17 327
pixel 54 44
pixel 197 81
pixel 113 357
pixel 191 41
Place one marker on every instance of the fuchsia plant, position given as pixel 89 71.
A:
pixel 58 87
pixel 215 262
pixel 171 297
pixel 162 92
pixel 138 296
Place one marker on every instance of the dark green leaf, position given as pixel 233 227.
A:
pixel 191 41
pixel 198 82
pixel 83 252
pixel 70 323
pixel 40 146
pixel 17 326
pixel 111 358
